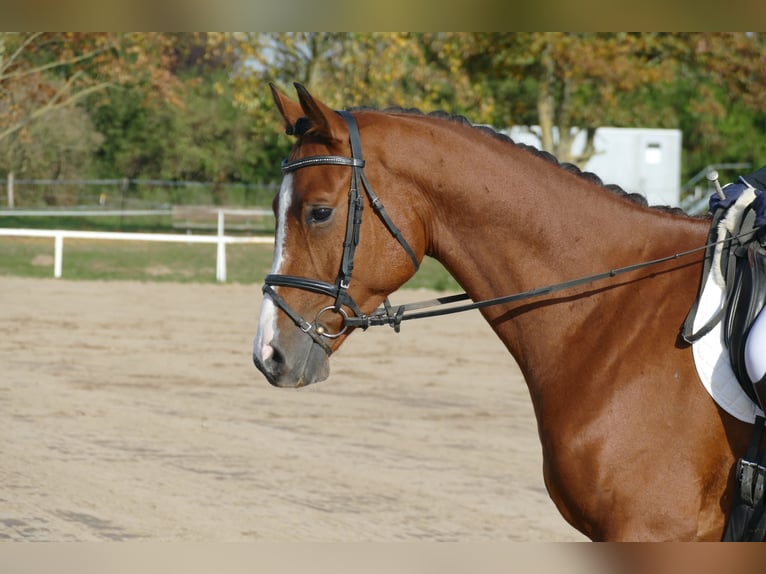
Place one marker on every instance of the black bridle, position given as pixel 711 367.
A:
pixel 339 289
pixel 388 315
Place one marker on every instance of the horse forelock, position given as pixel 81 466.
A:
pixel 301 128
pixel 635 198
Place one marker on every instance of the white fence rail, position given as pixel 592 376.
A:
pixel 184 216
pixel 58 236
pixel 55 212
pixel 82 212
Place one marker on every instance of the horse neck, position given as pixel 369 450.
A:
pixel 504 220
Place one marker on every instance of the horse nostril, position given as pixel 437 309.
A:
pixel 277 359
pixel 270 361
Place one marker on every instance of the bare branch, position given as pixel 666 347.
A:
pixel 6 64
pixel 54 103
pixel 51 65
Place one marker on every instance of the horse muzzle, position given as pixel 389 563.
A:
pixel 304 364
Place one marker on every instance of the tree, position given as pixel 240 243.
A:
pixel 207 138
pixel 196 106
pixel 359 69
pixel 58 145
pixel 371 69
pixel 707 84
pixel 721 103
pixel 47 73
pixel 563 82
pixel 31 85
pixel 571 82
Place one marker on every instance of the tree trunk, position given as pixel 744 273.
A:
pixel 546 106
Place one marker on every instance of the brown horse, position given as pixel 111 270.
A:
pixel 634 448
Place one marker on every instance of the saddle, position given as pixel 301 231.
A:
pixel 746 298
pixel 739 264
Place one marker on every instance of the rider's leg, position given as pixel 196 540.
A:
pixel 755 349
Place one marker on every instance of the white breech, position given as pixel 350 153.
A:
pixel 755 349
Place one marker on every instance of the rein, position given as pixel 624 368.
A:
pixel 393 317
pixel 388 314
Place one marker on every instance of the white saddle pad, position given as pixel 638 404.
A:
pixel 712 360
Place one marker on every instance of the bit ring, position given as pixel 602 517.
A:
pixel 322 330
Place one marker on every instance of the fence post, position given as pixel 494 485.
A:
pixel 123 190
pixel 10 190
pixel 220 263
pixel 58 254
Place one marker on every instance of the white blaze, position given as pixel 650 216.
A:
pixel 267 323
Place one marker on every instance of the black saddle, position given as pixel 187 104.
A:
pixel 746 295
pixel 743 264
pixel 746 298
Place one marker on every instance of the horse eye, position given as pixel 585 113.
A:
pixel 319 214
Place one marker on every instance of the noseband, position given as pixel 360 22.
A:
pixel 339 289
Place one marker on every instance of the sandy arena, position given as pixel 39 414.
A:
pixel 132 411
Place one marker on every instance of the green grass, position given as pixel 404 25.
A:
pixel 170 262
pixel 159 223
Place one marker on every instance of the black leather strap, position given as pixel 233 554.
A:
pixel 299 321
pixel 315 286
pixel 288 166
pixel 377 205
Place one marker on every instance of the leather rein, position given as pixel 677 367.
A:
pixel 387 314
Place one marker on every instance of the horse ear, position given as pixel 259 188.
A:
pixel 324 122
pixel 291 111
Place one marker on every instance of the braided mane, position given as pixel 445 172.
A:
pixel 636 198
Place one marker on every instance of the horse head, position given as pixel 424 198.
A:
pixel 328 264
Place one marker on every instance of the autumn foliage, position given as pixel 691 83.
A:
pixel 196 106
